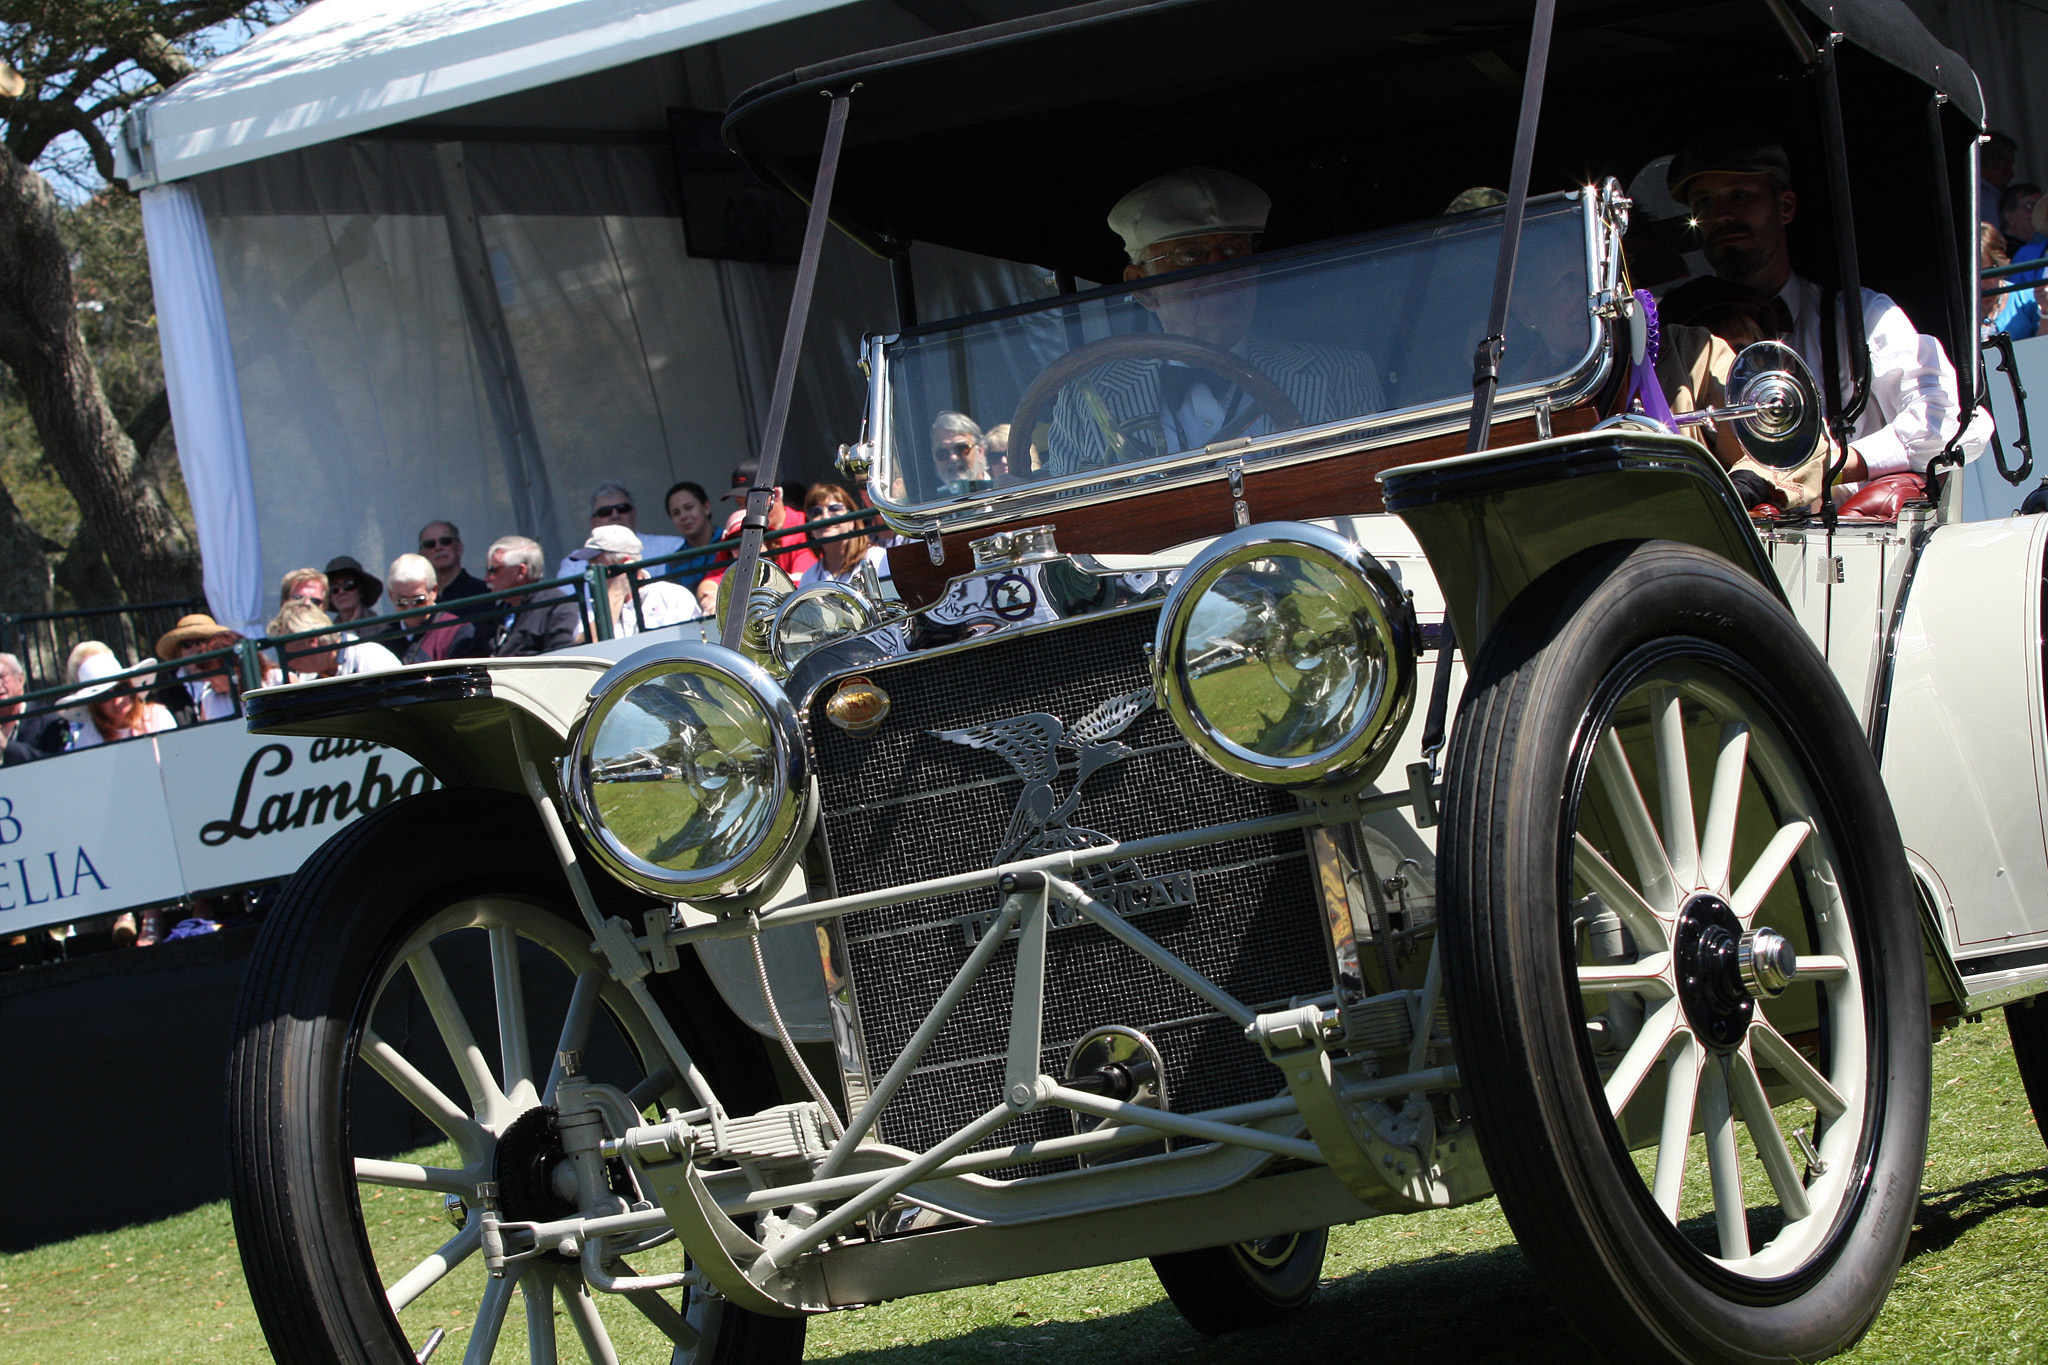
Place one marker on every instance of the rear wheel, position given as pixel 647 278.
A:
pixel 1684 964
pixel 399 1042
pixel 1247 1284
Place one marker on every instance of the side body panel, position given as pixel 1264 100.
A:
pixel 1964 743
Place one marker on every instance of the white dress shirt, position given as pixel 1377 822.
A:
pixel 1911 414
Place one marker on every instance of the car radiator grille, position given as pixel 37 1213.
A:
pixel 901 805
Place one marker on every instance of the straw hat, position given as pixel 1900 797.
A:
pixel 197 626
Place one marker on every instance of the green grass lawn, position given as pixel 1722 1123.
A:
pixel 1970 1292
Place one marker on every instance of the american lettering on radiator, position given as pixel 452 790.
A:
pixel 1120 886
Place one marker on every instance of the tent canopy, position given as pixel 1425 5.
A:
pixel 344 67
pixel 1352 114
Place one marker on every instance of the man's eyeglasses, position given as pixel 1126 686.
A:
pixel 617 509
pixel 957 449
pixel 1188 255
pixel 416 600
pixel 435 543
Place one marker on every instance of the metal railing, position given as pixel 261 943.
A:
pixel 243 666
pixel 42 640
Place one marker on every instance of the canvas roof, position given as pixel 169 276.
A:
pixel 345 67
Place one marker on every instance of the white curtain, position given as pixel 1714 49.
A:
pixel 206 409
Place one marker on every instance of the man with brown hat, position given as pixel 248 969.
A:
pixel 1737 185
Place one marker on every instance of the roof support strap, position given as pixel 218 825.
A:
pixel 761 494
pixel 1486 361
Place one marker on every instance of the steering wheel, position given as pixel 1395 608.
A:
pixel 1266 394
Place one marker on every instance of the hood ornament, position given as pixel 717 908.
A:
pixel 1030 743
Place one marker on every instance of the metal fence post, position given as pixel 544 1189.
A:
pixel 250 656
pixel 599 596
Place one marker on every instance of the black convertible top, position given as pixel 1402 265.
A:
pixel 1013 140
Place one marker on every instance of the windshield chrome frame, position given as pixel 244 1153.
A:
pixel 1604 216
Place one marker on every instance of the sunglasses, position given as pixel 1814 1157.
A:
pixel 419 600
pixel 833 509
pixel 437 543
pixel 617 509
pixel 956 448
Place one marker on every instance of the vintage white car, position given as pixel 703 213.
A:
pixel 1145 875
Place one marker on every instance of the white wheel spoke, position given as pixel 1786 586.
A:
pixel 515 1064
pixel 428 1273
pixel 1681 1092
pixel 1674 787
pixel 1821 967
pixel 404 1175
pixel 1724 1164
pixel 1755 1109
pixel 661 1313
pixel 469 1136
pixel 537 1288
pixel 1623 899
pixel 490 1318
pixel 1645 1052
pixel 1769 866
pixel 597 1342
pixel 575 1025
pixel 484 1096
pixel 1638 831
pixel 1774 1051
pixel 1646 975
pixel 1717 834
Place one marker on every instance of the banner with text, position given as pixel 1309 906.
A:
pixel 186 812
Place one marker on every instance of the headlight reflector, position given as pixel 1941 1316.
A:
pixel 686 772
pixel 1285 654
pixel 817 616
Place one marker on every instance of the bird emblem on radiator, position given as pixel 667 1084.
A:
pixel 1030 743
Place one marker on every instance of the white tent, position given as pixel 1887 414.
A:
pixel 431 261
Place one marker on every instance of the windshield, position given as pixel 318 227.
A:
pixel 1225 356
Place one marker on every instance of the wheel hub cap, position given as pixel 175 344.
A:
pixel 1708 951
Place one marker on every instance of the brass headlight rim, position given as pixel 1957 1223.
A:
pixel 1363 752
pixel 782 835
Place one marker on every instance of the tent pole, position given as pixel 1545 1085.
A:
pixel 1486 360
pixel 755 522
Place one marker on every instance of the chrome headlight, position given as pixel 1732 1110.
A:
pixel 816 616
pixel 1285 654
pixel 687 772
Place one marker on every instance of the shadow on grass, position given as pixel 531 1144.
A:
pixel 1945 1215
pixel 1478 1308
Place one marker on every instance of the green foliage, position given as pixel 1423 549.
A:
pixel 117 314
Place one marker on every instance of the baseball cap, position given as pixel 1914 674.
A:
pixel 608 540
pixel 1730 151
pixel 743 476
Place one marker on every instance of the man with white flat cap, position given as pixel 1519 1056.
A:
pixel 1196 217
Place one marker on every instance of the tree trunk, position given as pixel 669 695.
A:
pixel 41 343
pixel 24 562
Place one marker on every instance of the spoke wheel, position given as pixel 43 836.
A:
pixel 1248 1284
pixel 399 1042
pixel 1685 971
